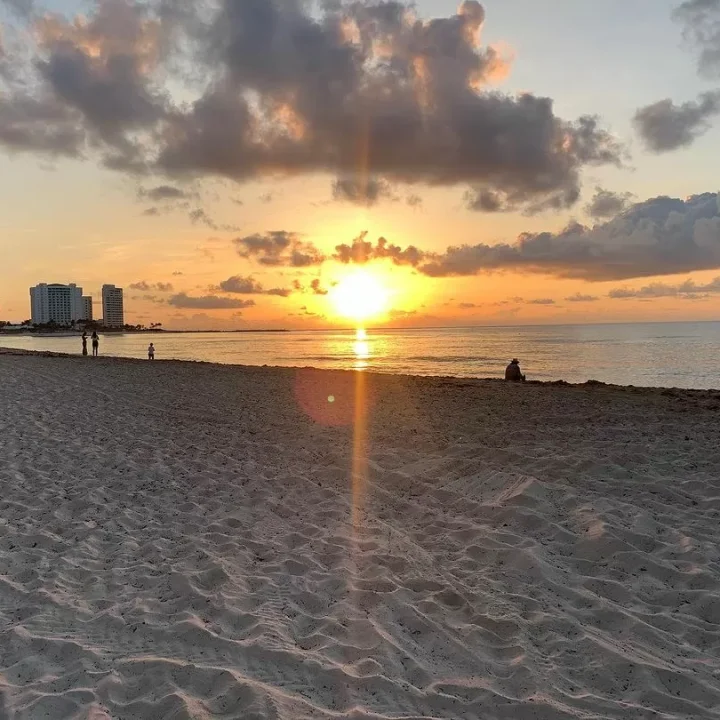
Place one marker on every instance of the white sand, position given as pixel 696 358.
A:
pixel 179 541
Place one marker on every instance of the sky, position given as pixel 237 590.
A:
pixel 285 164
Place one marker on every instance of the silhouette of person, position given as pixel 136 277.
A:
pixel 513 373
pixel 84 342
pixel 95 343
pixel 151 352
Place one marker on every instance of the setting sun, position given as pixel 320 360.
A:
pixel 359 296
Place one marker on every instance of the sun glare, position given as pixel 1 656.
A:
pixel 360 296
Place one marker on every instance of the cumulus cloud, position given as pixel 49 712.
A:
pixel 661 236
pixel 580 298
pixel 607 204
pixel 148 287
pixel 279 248
pixel 315 287
pixel 208 302
pixel 362 191
pixel 249 286
pixel 362 251
pixel 244 89
pixel 665 126
pixel 701 20
pixel 687 289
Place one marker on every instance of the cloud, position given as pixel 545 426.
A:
pixel 279 248
pixel 208 302
pixel 163 192
pixel 661 236
pixel 247 89
pixel 607 204
pixel 362 251
pixel 178 273
pixel 362 191
pixel 249 286
pixel 22 7
pixel 701 20
pixel 664 126
pixel 687 289
pixel 467 305
pixel 414 201
pixel 147 287
pixel 580 298
pixel 200 216
pixel 541 301
pixel 151 211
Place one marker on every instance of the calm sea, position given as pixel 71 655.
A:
pixel 654 354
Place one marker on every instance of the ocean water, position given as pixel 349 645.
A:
pixel 650 354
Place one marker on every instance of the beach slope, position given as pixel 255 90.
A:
pixel 184 540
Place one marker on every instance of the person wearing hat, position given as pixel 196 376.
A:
pixel 512 372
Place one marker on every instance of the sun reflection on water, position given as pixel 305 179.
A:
pixel 361 349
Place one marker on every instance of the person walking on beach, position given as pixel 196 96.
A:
pixel 95 343
pixel 513 373
pixel 151 352
pixel 84 342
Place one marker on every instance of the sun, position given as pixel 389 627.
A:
pixel 360 296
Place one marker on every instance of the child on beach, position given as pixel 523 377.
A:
pixel 151 352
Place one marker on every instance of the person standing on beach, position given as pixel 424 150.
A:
pixel 151 352
pixel 95 344
pixel 513 373
pixel 84 342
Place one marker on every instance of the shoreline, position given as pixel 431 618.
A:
pixel 710 392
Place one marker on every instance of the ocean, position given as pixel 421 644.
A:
pixel 683 355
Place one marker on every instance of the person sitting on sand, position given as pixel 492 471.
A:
pixel 512 372
pixel 95 344
pixel 151 352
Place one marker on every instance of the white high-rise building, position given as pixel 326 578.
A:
pixel 87 307
pixel 112 302
pixel 62 304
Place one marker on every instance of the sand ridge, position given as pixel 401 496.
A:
pixel 178 540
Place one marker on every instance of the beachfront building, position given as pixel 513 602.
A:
pixel 61 304
pixel 112 303
pixel 87 307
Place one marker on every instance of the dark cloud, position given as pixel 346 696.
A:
pixel 701 20
pixel 580 298
pixel 687 289
pixel 362 191
pixel 147 287
pixel 279 248
pixel 290 87
pixel 657 237
pixel 607 204
pixel 39 125
pixel 163 192
pixel 664 126
pixel 249 286
pixel 361 251
pixel 208 302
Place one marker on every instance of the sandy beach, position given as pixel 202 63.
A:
pixel 183 540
